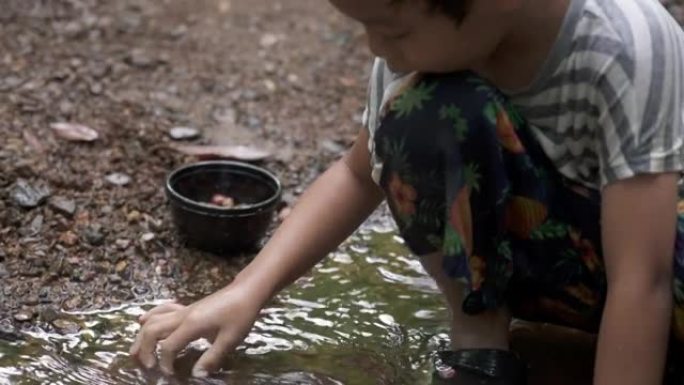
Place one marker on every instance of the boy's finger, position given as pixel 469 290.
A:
pixel 174 343
pixel 211 360
pixel 161 309
pixel 146 342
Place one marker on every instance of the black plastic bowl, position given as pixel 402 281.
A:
pixel 215 229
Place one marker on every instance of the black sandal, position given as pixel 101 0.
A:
pixel 479 367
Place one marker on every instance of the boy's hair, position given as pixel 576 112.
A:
pixel 456 9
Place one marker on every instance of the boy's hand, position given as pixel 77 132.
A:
pixel 224 318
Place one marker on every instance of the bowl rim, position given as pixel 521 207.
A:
pixel 213 210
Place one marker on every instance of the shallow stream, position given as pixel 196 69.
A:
pixel 367 315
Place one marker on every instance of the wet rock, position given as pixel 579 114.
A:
pixel 30 195
pixel 44 295
pixel 72 303
pixel 65 326
pixel 8 334
pixel 140 290
pixel 184 133
pixel 64 206
pixel 94 235
pixel 48 314
pixel 23 316
pixel 118 179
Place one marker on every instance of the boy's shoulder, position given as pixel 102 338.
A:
pixel 628 34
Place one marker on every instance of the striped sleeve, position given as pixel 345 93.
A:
pixel 640 99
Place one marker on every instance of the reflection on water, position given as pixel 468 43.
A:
pixel 367 315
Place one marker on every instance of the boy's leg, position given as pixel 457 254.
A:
pixel 487 330
pixel 445 141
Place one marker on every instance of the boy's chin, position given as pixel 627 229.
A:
pixel 399 68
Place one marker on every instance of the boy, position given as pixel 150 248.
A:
pixel 587 179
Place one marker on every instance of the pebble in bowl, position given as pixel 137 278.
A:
pixel 222 207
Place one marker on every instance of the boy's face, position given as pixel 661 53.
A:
pixel 411 37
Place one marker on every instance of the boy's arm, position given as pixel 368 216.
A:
pixel 638 225
pixel 331 209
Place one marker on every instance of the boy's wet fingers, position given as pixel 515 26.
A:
pixel 173 344
pixel 148 337
pixel 210 361
pixel 161 309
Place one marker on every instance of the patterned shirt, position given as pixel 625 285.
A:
pixel 608 103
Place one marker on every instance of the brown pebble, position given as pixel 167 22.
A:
pixel 133 216
pixel 68 238
pixel 23 316
pixel 121 266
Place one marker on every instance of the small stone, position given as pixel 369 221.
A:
pixel 3 271
pixel 184 133
pixel 68 238
pixel 44 294
pixel 30 196
pixel 141 59
pixel 64 206
pixel 268 40
pixel 32 301
pixel 270 85
pixel 270 68
pixel 140 290
pixel 118 179
pixel 66 107
pixel 10 82
pixel 113 278
pixel 36 225
pixel 147 237
pixel 133 216
pixel 121 266
pixel 122 244
pixel 179 31
pixel 94 236
pixel 254 122
pixel 225 115
pixel 96 89
pixel 66 326
pixel 72 303
pixel 49 314
pixel 23 316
